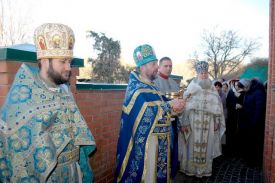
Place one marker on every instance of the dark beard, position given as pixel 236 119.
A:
pixel 204 83
pixel 153 77
pixel 56 77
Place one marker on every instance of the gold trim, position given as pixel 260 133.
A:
pixel 130 145
pixel 147 144
pixel 68 157
pixel 156 161
pixel 142 79
pixel 163 125
pixel 147 104
pixel 127 109
pixel 168 158
pixel 160 134
pixel 136 124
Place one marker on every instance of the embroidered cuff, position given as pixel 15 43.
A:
pixel 166 106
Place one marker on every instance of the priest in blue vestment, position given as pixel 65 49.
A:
pixel 43 136
pixel 143 150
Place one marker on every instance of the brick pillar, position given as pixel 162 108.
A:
pixel 75 72
pixel 7 73
pixel 269 145
pixel 8 70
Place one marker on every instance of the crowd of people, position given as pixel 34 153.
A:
pixel 44 138
pixel 245 119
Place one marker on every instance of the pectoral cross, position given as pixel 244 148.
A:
pixel 168 118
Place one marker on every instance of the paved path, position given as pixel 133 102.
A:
pixel 226 170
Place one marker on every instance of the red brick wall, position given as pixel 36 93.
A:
pixel 101 110
pixel 269 146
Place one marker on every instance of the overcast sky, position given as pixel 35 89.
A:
pixel 173 27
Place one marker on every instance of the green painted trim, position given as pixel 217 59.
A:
pixel 77 62
pixel 3 54
pixel 10 54
pixel 173 76
pixel 100 86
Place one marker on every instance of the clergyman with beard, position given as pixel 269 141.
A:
pixel 143 150
pixel 202 125
pixel 43 136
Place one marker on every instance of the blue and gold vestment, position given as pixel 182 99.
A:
pixel 43 136
pixel 143 152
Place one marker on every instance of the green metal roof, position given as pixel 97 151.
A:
pixel 259 72
pixel 100 86
pixel 27 53
pixel 173 76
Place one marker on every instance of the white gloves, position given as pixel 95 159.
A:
pixel 237 94
pixel 238 106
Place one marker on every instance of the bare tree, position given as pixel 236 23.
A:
pixel 13 23
pixel 225 51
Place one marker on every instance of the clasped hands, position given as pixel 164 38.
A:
pixel 238 106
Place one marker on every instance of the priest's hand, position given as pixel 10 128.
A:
pixel 178 104
pixel 184 129
pixel 216 126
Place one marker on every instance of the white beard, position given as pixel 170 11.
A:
pixel 204 83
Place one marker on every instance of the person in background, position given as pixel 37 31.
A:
pixel 218 85
pixel 232 120
pixel 168 86
pixel 163 82
pixel 225 88
pixel 202 125
pixel 252 122
pixel 43 136
pixel 265 85
pixel 143 150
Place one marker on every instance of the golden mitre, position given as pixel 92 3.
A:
pixel 53 40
